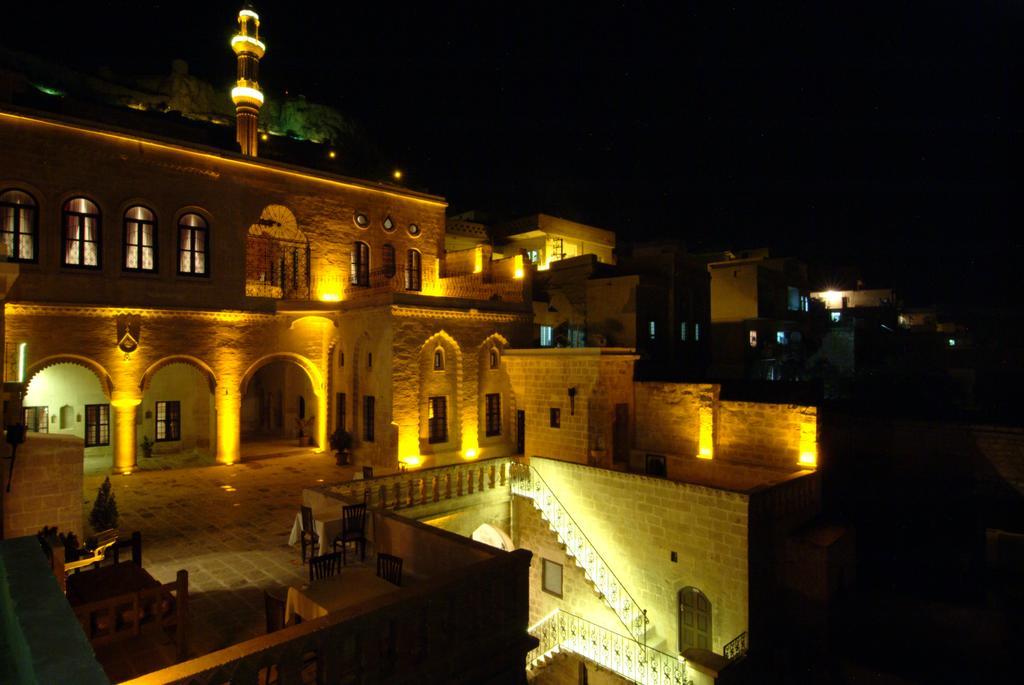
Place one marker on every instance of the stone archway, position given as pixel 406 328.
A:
pixel 493 536
pixel 282 396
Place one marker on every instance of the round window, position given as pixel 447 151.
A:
pixel 362 220
pixel 414 229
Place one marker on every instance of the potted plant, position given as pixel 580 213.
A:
pixel 147 447
pixel 341 443
pixel 104 510
pixel 304 426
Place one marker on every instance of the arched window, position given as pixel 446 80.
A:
pixel 193 245
pixel 694 619
pixel 139 239
pixel 81 220
pixel 494 359
pixel 439 359
pixel 360 273
pixel 414 270
pixel 387 258
pixel 18 225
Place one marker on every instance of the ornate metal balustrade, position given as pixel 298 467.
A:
pixel 415 488
pixel 562 631
pixel 526 482
pixel 737 647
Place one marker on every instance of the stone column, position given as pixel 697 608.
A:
pixel 229 426
pixel 126 407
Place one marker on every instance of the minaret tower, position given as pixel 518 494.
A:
pixel 246 94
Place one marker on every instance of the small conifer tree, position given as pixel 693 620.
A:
pixel 104 509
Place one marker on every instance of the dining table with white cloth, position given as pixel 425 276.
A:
pixel 354 585
pixel 327 525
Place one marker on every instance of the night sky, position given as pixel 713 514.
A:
pixel 876 138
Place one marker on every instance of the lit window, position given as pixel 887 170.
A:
pixel 359 273
pixel 696 332
pixel 368 409
pixel 753 338
pixel 780 338
pixel 836 316
pixel 388 224
pixel 414 270
pixel 793 299
pixel 551 577
pixel 805 303
pixel 18 225
pixel 437 419
pixel 168 421
pixel 414 230
pixel 533 256
pixel 651 330
pixel 682 331
pixel 556 417
pixel 493 414
pixel 438 359
pixel 139 240
pixel 97 425
pixel 81 219
pixel 362 221
pixel 952 342
pixel 192 245
pixel 545 336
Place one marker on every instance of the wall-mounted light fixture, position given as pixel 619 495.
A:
pixel 572 401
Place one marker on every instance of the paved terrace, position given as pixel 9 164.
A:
pixel 228 527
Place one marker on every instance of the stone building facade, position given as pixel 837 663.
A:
pixel 247 263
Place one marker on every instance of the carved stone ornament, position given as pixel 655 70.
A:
pixel 129 332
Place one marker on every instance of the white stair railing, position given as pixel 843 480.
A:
pixel 561 631
pixel 526 482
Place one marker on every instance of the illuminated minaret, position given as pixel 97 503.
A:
pixel 246 94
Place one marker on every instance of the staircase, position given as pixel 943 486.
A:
pixel 561 632
pixel 526 482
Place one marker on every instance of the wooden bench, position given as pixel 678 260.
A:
pixel 124 616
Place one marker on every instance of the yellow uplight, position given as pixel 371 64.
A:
pixel 330 297
pixel 470 454
pixel 519 271
pixel 478 260
pixel 809 443
pixel 412 460
pixel 706 446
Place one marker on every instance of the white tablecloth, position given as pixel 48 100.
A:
pixel 326 524
pixel 353 586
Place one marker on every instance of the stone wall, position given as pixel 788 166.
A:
pixel 46 489
pixel 768 434
pixel 636 523
pixel 668 422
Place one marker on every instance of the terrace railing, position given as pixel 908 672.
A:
pixel 561 631
pixel 527 482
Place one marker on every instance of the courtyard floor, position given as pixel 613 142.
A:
pixel 228 526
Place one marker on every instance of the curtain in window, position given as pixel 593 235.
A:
pixel 17 223
pixel 139 231
pixel 81 233
pixel 192 244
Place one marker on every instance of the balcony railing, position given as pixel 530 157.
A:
pixel 527 482
pixel 415 488
pixel 561 631
pixel 736 647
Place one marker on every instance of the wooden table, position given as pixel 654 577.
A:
pixel 105 582
pixel 353 586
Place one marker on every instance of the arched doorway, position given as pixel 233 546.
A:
pixel 493 536
pixel 68 398
pixel 279 408
pixel 177 416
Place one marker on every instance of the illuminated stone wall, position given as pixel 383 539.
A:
pixel 47 486
pixel 119 172
pixel 541 379
pixel 670 418
pixel 636 523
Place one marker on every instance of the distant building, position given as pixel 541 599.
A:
pixel 758 311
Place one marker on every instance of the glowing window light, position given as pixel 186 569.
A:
pixel 705 446
pixel 518 263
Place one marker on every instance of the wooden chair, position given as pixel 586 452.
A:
pixel 324 566
pixel 274 604
pixel 104 541
pixel 353 529
pixel 308 531
pixel 389 567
